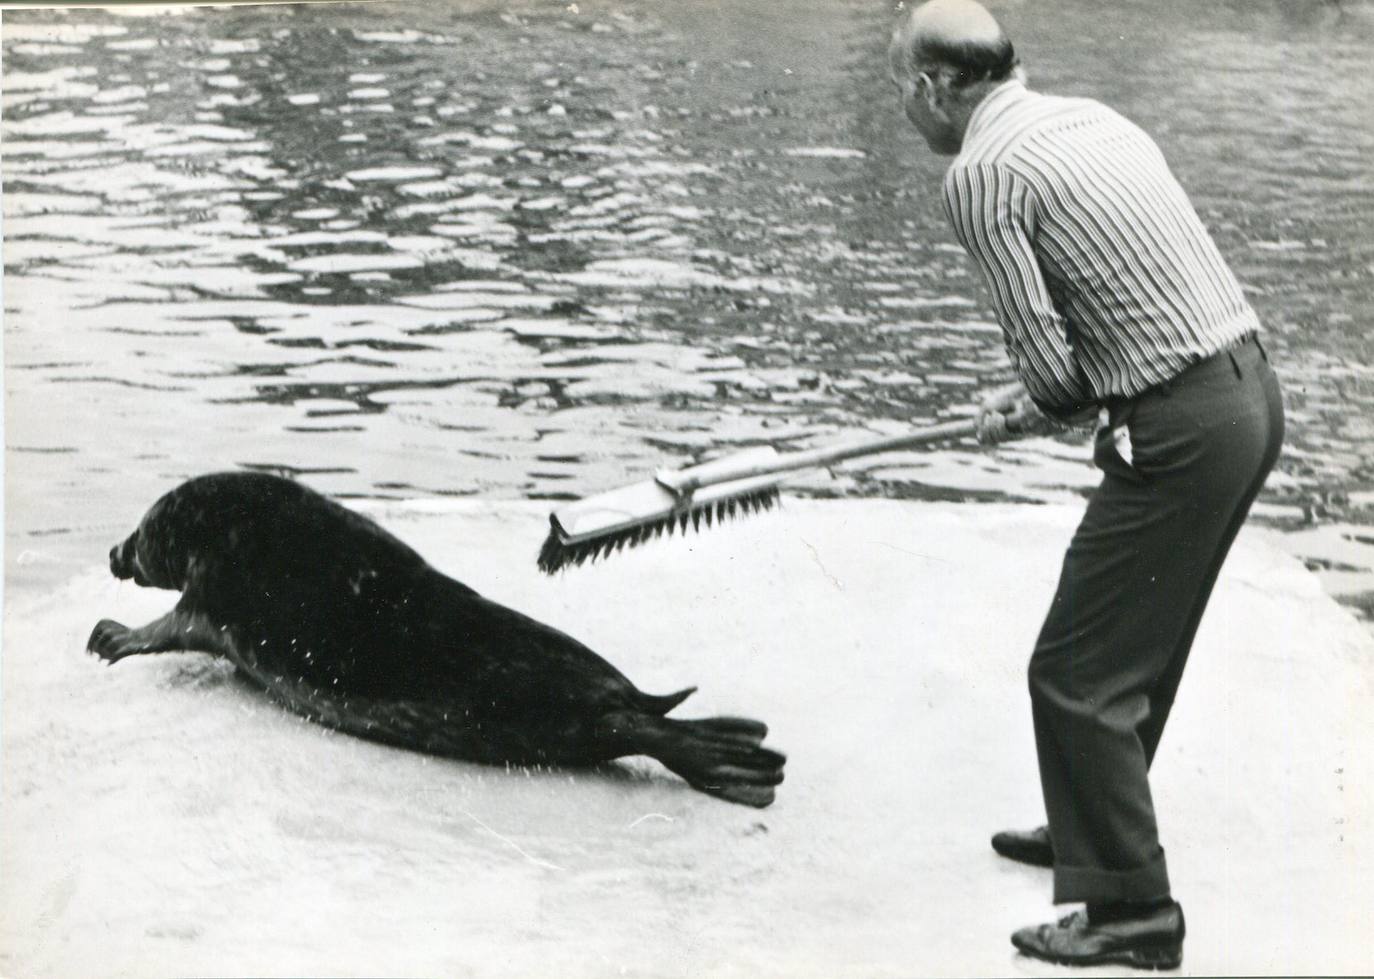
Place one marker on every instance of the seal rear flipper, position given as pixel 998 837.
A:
pixel 742 729
pixel 720 756
pixel 758 796
pixel 660 705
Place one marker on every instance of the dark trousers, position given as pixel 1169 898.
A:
pixel 1134 584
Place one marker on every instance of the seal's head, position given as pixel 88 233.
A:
pixel 154 555
pixel 234 527
pixel 179 530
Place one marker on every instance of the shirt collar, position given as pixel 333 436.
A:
pixel 1001 98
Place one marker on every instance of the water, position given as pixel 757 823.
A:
pixel 535 249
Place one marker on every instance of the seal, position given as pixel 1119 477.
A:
pixel 343 623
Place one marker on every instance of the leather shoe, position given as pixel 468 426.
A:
pixel 1028 846
pixel 1152 941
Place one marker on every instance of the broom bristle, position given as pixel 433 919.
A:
pixel 557 554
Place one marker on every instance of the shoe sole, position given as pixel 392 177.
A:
pixel 1031 858
pixel 1157 958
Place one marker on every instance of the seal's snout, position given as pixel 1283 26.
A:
pixel 122 559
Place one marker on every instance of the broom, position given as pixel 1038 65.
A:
pixel 734 485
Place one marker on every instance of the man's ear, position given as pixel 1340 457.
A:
pixel 936 94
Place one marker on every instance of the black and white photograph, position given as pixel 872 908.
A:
pixel 815 489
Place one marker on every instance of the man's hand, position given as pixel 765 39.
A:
pixel 1008 412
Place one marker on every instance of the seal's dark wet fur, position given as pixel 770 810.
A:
pixel 346 624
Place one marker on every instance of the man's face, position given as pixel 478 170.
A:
pixel 921 104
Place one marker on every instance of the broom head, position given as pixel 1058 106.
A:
pixel 594 527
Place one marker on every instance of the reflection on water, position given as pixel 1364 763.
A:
pixel 529 249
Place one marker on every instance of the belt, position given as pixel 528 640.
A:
pixel 1201 367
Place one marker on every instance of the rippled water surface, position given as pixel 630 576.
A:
pixel 533 249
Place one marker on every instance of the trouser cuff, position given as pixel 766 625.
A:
pixel 1147 883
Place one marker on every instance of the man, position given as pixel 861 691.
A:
pixel 1111 295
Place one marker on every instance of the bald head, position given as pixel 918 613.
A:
pixel 958 40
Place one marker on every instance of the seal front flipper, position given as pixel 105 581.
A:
pixel 177 631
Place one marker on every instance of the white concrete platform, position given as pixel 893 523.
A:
pixel 159 818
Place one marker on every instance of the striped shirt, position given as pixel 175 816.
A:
pixel 1104 279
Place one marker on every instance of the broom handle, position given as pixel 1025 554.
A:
pixel 727 470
